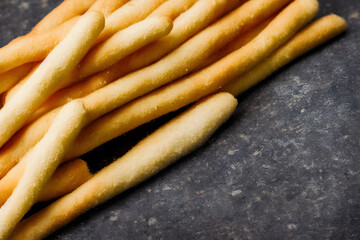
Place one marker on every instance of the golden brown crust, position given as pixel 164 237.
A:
pixel 166 145
pixel 107 7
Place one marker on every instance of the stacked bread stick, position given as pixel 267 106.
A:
pixel 96 69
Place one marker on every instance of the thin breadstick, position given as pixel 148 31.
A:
pixel 33 47
pixel 170 142
pixel 174 65
pixel 123 43
pixel 10 78
pixel 65 11
pixel 312 36
pixel 173 8
pixel 185 26
pixel 65 179
pixel 41 162
pixel 189 89
pixel 107 7
pixel 61 61
pixel 128 14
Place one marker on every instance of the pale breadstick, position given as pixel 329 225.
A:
pixel 185 26
pixel 174 65
pixel 32 47
pixel 60 62
pixel 173 8
pixel 312 36
pixel 10 78
pixel 189 89
pixel 107 7
pixel 65 179
pixel 128 14
pixel 41 162
pixel 65 11
pixel 170 142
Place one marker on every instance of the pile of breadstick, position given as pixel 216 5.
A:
pixel 92 70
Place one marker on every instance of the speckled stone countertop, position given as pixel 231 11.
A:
pixel 285 166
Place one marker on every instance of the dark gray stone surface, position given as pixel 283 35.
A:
pixel 286 165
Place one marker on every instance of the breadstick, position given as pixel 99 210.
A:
pixel 10 78
pixel 312 36
pixel 107 7
pixel 32 47
pixel 123 43
pixel 65 11
pixel 170 142
pixel 40 164
pixel 185 26
pixel 189 89
pixel 173 8
pixel 61 61
pixel 174 65
pixel 65 179
pixel 128 14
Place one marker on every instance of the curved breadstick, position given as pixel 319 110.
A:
pixel 174 65
pixel 189 89
pixel 60 62
pixel 10 78
pixel 65 11
pixel 128 14
pixel 170 142
pixel 107 7
pixel 33 47
pixel 312 36
pixel 185 26
pixel 41 162
pixel 66 178
pixel 173 8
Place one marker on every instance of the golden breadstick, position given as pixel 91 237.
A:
pixel 170 142
pixel 185 26
pixel 128 14
pixel 312 36
pixel 32 47
pixel 60 62
pixel 41 162
pixel 107 7
pixel 65 179
pixel 123 43
pixel 174 65
pixel 173 8
pixel 10 78
pixel 65 11
pixel 189 89
pixel 241 40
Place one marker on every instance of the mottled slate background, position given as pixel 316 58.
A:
pixel 286 165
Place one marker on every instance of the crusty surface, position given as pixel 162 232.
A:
pixel 173 140
pixel 40 163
